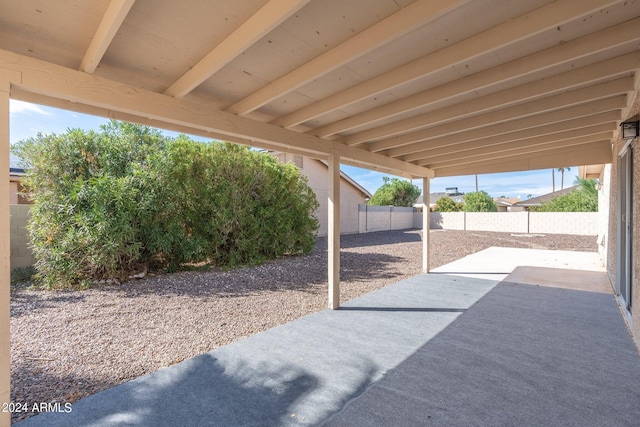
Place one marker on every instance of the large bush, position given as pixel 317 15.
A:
pixel 584 198
pixel 447 204
pixel 479 201
pixel 110 203
pixel 395 192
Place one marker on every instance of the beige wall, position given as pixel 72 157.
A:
pixel 21 255
pixel 611 240
pixel 576 223
pixel 317 175
pixel 380 218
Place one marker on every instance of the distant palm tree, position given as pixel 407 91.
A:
pixel 553 179
pixel 562 170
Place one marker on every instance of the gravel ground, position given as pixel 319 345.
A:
pixel 69 344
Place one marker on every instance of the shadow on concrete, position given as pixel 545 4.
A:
pixel 205 391
pixel 523 355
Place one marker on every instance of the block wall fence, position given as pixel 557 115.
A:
pixel 381 218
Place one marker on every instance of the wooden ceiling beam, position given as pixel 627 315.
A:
pixel 588 154
pixel 400 23
pixel 253 29
pixel 532 145
pixel 80 89
pixel 534 22
pixel 413 142
pixel 482 126
pixel 577 127
pixel 516 95
pixel 570 51
pixel 111 21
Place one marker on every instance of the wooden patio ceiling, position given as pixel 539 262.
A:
pixel 416 88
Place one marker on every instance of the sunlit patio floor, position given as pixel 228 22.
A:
pixel 501 337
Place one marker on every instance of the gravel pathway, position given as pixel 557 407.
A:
pixel 69 344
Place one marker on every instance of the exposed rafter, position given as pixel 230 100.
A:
pixel 538 140
pixel 394 26
pixel 549 16
pixel 561 54
pixel 113 17
pixel 515 95
pixel 49 80
pixel 514 150
pixel 262 22
pixel 565 129
pixel 587 154
pixel 483 125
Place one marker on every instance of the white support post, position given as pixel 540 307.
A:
pixel 5 254
pixel 334 232
pixel 425 224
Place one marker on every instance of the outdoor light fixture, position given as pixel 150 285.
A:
pixel 630 129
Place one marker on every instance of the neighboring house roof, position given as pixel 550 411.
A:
pixel 546 198
pixel 350 180
pixel 434 197
pixel 506 201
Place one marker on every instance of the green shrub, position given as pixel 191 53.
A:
pixel 110 203
pixel 581 199
pixel 447 204
pixel 395 192
pixel 479 201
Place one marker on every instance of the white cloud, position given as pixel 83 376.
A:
pixel 16 106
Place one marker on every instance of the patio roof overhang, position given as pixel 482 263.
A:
pixel 414 88
pixel 420 89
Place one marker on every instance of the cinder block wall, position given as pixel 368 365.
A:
pixel 444 220
pixel 578 223
pixel 21 255
pixel 585 223
pixel 508 222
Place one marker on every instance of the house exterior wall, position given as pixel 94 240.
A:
pixel 317 175
pixel 13 192
pixel 635 265
pixel 611 238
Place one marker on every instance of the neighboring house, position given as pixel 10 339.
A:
pixel 15 183
pixel 546 198
pixel 452 193
pixel 506 204
pixel 352 194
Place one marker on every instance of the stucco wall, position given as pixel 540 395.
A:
pixel 317 176
pixel 635 284
pixel 612 239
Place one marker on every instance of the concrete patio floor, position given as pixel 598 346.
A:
pixel 501 337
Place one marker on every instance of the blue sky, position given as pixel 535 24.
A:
pixel 29 119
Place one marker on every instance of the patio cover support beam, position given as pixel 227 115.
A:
pixel 426 190
pixel 44 81
pixel 333 237
pixel 5 268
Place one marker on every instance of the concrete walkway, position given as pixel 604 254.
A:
pixel 470 348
